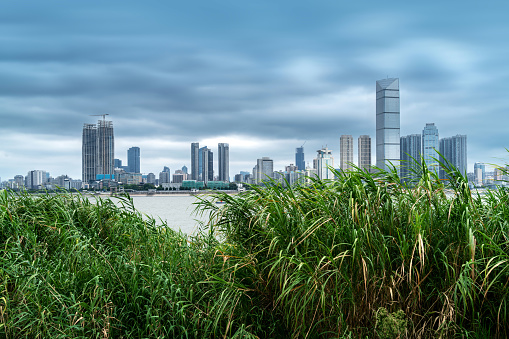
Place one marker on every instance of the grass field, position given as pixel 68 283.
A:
pixel 360 257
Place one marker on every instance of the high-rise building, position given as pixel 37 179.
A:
pixel 117 163
pixel 324 163
pixel 105 148
pixel 184 169
pixel 430 146
pixel 364 152
pixel 264 169
pixel 205 165
pixel 133 160
pixel 164 177
pixel 454 150
pixel 223 153
pixel 387 122
pixel 89 153
pixel 151 178
pixel 299 158
pixel 195 170
pixel 410 156
pixel 345 152
pixel 479 173
pixel 35 179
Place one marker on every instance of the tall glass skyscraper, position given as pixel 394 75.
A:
pixel 387 122
pixel 430 146
pixel 223 154
pixel 133 160
pixel 89 153
pixel 299 158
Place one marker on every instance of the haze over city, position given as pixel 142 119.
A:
pixel 264 77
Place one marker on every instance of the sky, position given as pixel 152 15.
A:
pixel 264 76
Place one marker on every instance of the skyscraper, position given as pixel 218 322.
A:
pixel 133 160
pixel 430 146
pixel 480 173
pixel 105 149
pixel 223 153
pixel 205 165
pixel 264 169
pixel 299 158
pixel 98 151
pixel 346 152
pixel 364 149
pixel 324 163
pixel 387 122
pixel 195 170
pixel 89 153
pixel 410 149
pixel 454 150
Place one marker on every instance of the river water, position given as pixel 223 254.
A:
pixel 176 211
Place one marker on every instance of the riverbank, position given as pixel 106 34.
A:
pixel 361 256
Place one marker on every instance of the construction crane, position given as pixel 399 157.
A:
pixel 99 115
pixel 304 143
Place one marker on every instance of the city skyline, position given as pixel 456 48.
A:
pixel 172 74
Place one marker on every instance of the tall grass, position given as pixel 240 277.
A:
pixel 364 256
pixel 327 257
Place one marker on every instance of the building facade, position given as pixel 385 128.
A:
pixel 479 173
pixel 133 160
pixel 364 152
pixel 430 147
pixel 345 152
pixel 410 155
pixel 223 158
pixel 195 170
pixel 105 148
pixel 299 158
pixel 387 122
pixel 89 153
pixel 324 164
pixel 205 165
pixel 453 151
pixel 264 169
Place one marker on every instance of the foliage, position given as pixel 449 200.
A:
pixel 361 256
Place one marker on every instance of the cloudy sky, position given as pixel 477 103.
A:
pixel 264 76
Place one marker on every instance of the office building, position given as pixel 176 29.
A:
pixel 264 169
pixel 324 164
pixel 89 153
pixel 364 152
pixel 205 165
pixel 299 158
pixel 117 163
pixel 184 169
pixel 223 157
pixel 151 178
pixel 195 170
pixel 410 155
pixel 387 122
pixel 35 179
pixel 430 147
pixel 345 152
pixel 479 173
pixel 133 160
pixel 164 177
pixel 105 149
pixel 453 150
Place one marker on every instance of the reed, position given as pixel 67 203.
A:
pixel 363 256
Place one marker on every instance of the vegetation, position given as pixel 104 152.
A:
pixel 364 256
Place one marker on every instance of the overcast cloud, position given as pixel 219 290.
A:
pixel 265 76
